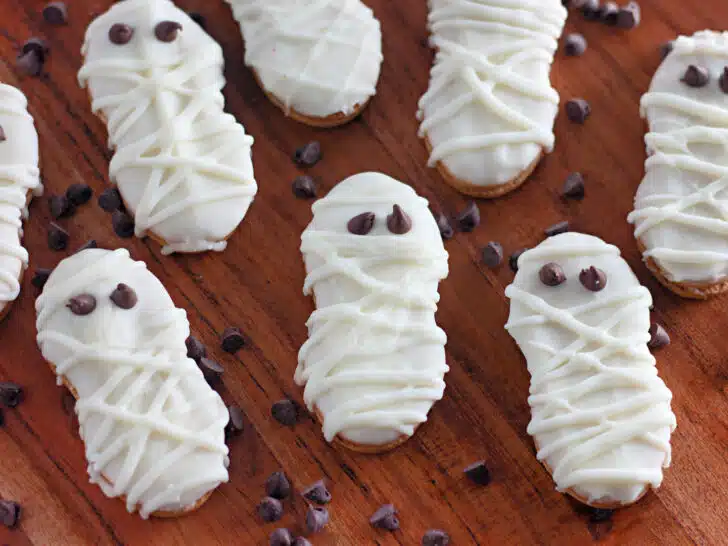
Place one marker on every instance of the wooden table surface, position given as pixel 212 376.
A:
pixel 256 285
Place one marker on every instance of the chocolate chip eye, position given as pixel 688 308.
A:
pixel 723 81
pixel 361 224
pixel 120 34
pixel 552 274
pixel 83 304
pixel 124 296
pixel 696 76
pixel 3 138
pixel 593 279
pixel 399 221
pixel 167 31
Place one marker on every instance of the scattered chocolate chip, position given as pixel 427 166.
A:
pixel 552 274
pixel 195 349
pixel 301 541
pixel 30 63
pixel 317 493
pixel 236 421
pixel 9 513
pixel 578 110
pixel 281 537
pixel 478 473
pixel 270 509
pixel 91 243
pixel 304 187
pixel 385 518
pixel 666 49
pixel 60 206
pixel 198 18
pixel 285 412
pixel 211 370
pixel 2 418
pixel 557 229
pixel 599 515
pixel 443 224
pixel 435 537
pixel 723 81
pixel 469 218
pixel 232 340
pixel 57 237
pixel 124 296
pixel 316 518
pixel 513 260
pixel 110 200
pixel 629 16
pixel 609 13
pixel 493 254
pixel 81 305
pixel 399 221
pixel 123 224
pixel 120 34
pixel 590 10
pixel 361 224
pixel 79 194
pixel 167 31
pixel 658 337
pixel 308 154
pixel 593 279
pixel 40 277
pixel 696 76
pixel 11 394
pixel 278 486
pixel 574 45
pixel 36 45
pixel 574 186
pixel 55 13
pixel 3 137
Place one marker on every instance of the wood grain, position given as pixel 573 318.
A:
pixel 256 285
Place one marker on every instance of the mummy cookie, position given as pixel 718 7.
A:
pixel 19 180
pixel 374 362
pixel 600 415
pixel 487 117
pixel 152 427
pixel 317 61
pixel 681 207
pixel 183 166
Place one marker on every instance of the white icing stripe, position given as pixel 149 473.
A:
pixel 153 428
pixel 490 107
pixel 601 416
pixel 182 165
pixel 681 212
pixel 374 362
pixel 318 58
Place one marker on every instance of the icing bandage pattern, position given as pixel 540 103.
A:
pixel 600 415
pixel 374 363
pixel 153 428
pixel 183 166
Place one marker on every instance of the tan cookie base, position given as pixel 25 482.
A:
pixel 484 192
pixel 366 449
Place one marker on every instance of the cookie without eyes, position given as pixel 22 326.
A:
pixel 600 415
pixel 374 363
pixel 152 427
pixel 182 165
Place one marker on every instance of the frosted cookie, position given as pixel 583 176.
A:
pixel 317 61
pixel 488 115
pixel 600 415
pixel 183 166
pixel 153 429
pixel 19 180
pixel 681 207
pixel 374 362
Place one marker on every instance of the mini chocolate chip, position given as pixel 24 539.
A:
pixel 435 537
pixel 55 13
pixel 557 229
pixel 120 34
pixel 40 277
pixel 81 305
pixel 91 243
pixel 317 492
pixel 79 194
pixel 57 237
pixel 301 541
pixel 281 537
pixel 304 187
pixel 361 224
pixel 211 370
pixel 278 486
pixel 198 18
pixel 513 260
pixel 11 394
pixel 696 76
pixel 285 412
pixel 110 200
pixel 666 49
pixel 609 13
pixel 232 340
pixel 578 110
pixel 600 515
pixel 385 518
pixel 195 349
pixel 124 296
pixel 574 45
pixel 30 63
pixel 574 186
pixel 123 224
pixel 60 206
pixel 9 513
pixel 399 221
pixel 629 16
pixel 2 418
pixel 658 337
pixel 723 81
pixel 309 154
pixel 445 227
pixel 3 137
pixel 316 519
pixel 36 45
pixel 270 509
pixel 478 473
pixel 552 274
pixel 469 218
pixel 593 279
pixel 167 31
pixel 493 254
pixel 590 10
pixel 236 421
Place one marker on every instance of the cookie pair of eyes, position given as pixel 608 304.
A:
pixel 591 278
pixel 398 222
pixel 699 76
pixel 123 297
pixel 166 31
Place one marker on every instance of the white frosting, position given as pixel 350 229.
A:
pixel 681 207
pixel 19 175
pixel 182 165
pixel 152 426
pixel 375 360
pixel 318 58
pixel 601 416
pixel 490 108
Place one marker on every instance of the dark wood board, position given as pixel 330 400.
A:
pixel 256 285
